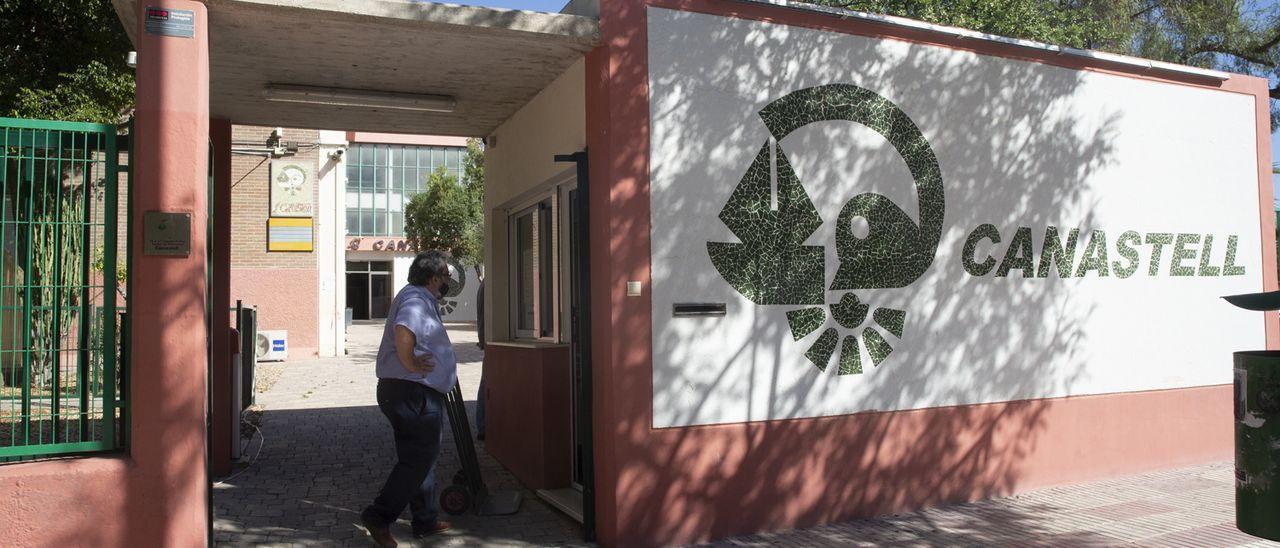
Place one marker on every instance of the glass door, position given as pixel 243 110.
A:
pixel 369 289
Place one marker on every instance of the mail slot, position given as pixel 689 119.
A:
pixel 697 309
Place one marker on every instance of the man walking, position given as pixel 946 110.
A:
pixel 416 367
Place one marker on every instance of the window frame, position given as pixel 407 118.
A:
pixel 545 283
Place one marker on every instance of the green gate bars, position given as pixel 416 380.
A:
pixel 59 278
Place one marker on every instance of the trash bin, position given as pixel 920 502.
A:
pixel 1257 413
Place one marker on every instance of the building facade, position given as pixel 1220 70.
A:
pixel 753 265
pixel 307 262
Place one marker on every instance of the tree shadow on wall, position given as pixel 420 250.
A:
pixel 1011 156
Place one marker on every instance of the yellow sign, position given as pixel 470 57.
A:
pixel 287 234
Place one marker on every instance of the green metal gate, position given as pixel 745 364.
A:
pixel 59 278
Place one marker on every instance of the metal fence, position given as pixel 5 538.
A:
pixel 60 359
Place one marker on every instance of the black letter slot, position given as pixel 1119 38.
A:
pixel 697 309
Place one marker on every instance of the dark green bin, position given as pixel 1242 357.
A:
pixel 1257 412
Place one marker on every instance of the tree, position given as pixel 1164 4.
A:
pixel 473 181
pixel 444 217
pixel 63 59
pixel 1236 35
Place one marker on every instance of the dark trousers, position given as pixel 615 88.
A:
pixel 416 413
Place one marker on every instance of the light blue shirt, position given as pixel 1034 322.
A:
pixel 415 308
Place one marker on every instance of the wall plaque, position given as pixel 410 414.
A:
pixel 166 233
pixel 170 22
pixel 290 189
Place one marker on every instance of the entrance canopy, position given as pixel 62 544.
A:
pixel 482 64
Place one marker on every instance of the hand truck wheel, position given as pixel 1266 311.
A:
pixel 455 500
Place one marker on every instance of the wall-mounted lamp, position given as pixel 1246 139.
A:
pixel 358 98
pixel 131 59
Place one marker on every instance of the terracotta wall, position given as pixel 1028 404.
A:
pixel 284 286
pixel 154 495
pixel 286 298
pixel 527 415
pixel 676 485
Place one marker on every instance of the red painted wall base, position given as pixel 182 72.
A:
pixel 699 483
pixel 527 412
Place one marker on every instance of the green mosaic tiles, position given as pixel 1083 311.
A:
pixel 1175 254
pixel 877 347
pixel 822 349
pixel 1055 254
pixel 892 320
pixel 1095 256
pixel 850 357
pixel 805 321
pixel 1230 268
pixel 849 313
pixel 771 265
pixel 772 216
pixel 896 251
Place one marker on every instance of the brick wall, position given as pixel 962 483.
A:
pixel 282 285
pixel 250 194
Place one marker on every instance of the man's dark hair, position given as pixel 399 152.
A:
pixel 428 264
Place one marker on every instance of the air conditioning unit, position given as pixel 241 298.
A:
pixel 272 346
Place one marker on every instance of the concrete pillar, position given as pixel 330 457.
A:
pixel 167 492
pixel 220 298
pixel 330 240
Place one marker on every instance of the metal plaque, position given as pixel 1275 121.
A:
pixel 166 233
pixel 170 22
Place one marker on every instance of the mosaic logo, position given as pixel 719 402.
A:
pixel 459 274
pixel 772 216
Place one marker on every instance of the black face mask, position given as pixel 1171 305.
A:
pixel 444 288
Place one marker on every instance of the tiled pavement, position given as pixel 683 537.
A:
pixel 327 449
pixel 1188 507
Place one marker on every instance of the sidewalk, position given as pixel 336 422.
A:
pixel 1188 507
pixel 326 449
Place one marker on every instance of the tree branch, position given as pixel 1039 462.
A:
pixel 1263 47
pixel 1247 55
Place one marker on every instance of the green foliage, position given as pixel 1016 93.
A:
pixel 99 265
pixel 444 217
pixel 63 59
pixel 473 180
pixel 1096 24
pixel 1236 35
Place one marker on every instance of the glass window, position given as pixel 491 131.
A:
pixel 546 319
pixel 382 178
pixel 353 221
pixel 397 222
pixel 524 275
pixel 353 176
pixel 533 273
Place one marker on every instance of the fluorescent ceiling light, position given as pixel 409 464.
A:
pixel 358 98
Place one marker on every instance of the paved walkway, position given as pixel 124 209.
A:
pixel 326 450
pixel 1189 507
